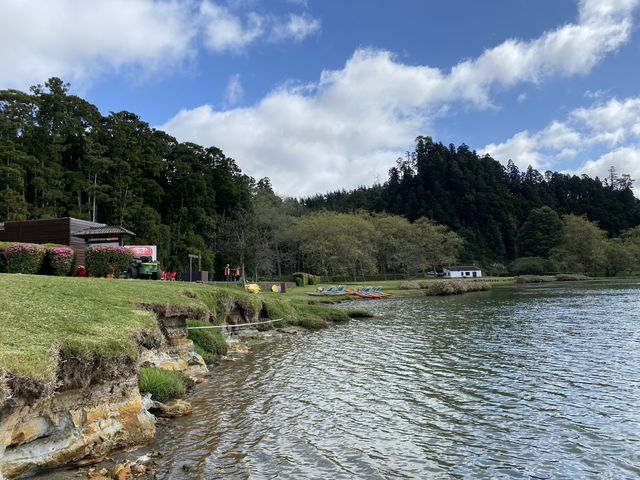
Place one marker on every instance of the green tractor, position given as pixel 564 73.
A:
pixel 144 264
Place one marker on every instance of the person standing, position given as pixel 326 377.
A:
pixel 237 272
pixel 227 271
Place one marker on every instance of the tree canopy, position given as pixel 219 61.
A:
pixel 59 156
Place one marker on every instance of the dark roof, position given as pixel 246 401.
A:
pixel 460 269
pixel 103 232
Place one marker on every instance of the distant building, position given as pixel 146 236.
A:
pixel 462 272
pixel 76 233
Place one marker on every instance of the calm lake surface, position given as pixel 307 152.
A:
pixel 539 381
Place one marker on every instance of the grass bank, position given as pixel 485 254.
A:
pixel 44 319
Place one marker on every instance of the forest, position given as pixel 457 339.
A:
pixel 59 156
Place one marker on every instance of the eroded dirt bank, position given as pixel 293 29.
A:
pixel 94 406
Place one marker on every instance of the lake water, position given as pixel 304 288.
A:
pixel 522 382
pixel 539 381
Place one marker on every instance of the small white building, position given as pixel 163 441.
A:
pixel 462 272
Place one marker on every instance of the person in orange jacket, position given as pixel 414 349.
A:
pixel 237 272
pixel 227 271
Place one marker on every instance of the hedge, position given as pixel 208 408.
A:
pixel 3 260
pixel 59 261
pixel 104 260
pixel 24 257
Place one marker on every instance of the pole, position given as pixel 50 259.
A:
pixel 191 257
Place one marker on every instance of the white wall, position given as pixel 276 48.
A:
pixel 462 274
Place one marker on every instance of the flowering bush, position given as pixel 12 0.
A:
pixel 106 260
pixel 3 260
pixel 59 261
pixel 24 257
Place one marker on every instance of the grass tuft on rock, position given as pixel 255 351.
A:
pixel 358 313
pixel 163 385
pixel 209 343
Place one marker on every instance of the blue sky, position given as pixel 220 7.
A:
pixel 320 95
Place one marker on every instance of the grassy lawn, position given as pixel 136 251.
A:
pixel 85 314
pixel 40 315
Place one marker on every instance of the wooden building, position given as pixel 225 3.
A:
pixel 55 230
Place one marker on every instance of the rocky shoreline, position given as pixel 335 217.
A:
pixel 129 462
pixel 79 424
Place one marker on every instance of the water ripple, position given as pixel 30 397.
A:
pixel 520 382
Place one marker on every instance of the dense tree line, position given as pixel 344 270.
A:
pixel 59 156
pixel 487 204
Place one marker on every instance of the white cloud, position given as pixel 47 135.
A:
pixel 603 125
pixel 234 92
pixel 626 160
pixel 345 129
pixel 225 31
pixel 297 27
pixel 78 40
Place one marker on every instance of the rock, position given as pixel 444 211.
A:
pixel 143 459
pixel 75 426
pixel 173 408
pixel 121 471
pixel 238 348
pixel 138 470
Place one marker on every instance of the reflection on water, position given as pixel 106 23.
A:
pixel 520 382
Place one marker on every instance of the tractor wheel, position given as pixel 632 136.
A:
pixel 133 272
pixel 157 275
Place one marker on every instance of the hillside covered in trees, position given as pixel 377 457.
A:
pixel 485 203
pixel 59 156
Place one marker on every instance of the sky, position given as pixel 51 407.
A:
pixel 322 95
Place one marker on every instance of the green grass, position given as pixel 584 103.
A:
pixel 358 313
pixel 208 343
pixel 163 385
pixel 42 315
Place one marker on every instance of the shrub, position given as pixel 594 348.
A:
pixel 455 287
pixel 567 277
pixel 409 286
pixel 107 259
pixel 299 281
pixel 162 384
pixel 535 278
pixel 306 278
pixel 209 341
pixel 24 257
pixel 59 261
pixel 530 266
pixel 3 260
